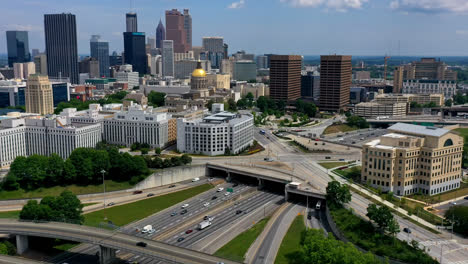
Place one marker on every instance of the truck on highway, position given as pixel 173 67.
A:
pixel 147 229
pixel 204 225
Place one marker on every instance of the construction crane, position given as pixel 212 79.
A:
pixel 385 67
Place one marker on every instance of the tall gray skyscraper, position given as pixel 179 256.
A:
pixel 100 51
pixel 61 46
pixel 160 35
pixel 132 23
pixel 188 28
pixel 213 44
pixel 18 47
pixel 168 58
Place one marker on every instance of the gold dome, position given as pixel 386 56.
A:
pixel 199 73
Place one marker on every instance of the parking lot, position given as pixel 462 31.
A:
pixel 358 138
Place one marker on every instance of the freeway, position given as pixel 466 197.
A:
pixel 4 259
pixel 109 239
pixel 161 221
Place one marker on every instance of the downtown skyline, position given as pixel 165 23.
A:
pixel 305 27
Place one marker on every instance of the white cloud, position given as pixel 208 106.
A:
pixel 18 27
pixel 237 5
pixel 339 5
pixel 461 32
pixel 430 6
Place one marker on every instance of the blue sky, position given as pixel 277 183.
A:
pixel 305 27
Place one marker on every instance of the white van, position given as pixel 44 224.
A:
pixel 195 179
pixel 317 206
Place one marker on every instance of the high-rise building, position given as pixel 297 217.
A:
pixel 168 58
pixel 160 35
pixel 61 46
pixel 115 59
pixel 90 65
pixel 23 70
pixel 262 62
pixel 135 51
pixel 398 79
pixel 39 97
pixel 213 44
pixel 188 29
pixel 335 82
pixel 244 70
pixel 35 52
pixel 151 41
pixel 40 62
pixel 100 51
pixel 226 50
pixel 175 30
pixel 309 84
pixel 18 47
pixel 285 77
pixel 132 23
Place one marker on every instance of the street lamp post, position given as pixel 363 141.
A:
pixel 104 186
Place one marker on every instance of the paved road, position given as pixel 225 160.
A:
pixel 445 207
pixel 268 248
pixel 4 259
pixel 359 138
pixel 160 222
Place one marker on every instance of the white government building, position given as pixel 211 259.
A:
pixel 446 87
pixel 211 135
pixel 25 136
pixel 137 125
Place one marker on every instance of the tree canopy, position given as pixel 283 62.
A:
pixel 64 208
pixel 337 194
pixel 383 218
pixel 459 215
pixel 357 121
pixel 156 99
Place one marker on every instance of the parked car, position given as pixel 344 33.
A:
pixel 141 244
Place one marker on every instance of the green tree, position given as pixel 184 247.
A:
pixel 157 151
pixel 69 172
pixel 250 96
pixel 156 99
pixel 176 161
pixel 55 170
pixel 186 159
pixel 448 102
pixel 337 194
pixel 383 218
pixel 357 121
pixel 459 215
pixel 232 105
pixel 317 249
pixel 294 117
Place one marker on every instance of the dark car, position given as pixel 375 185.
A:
pixel 239 212
pixel 188 231
pixel 150 194
pixel 172 186
pixel 466 198
pixel 214 197
pixel 110 204
pixel 183 212
pixel 138 192
pixel 180 239
pixel 173 213
pixel 141 244
pixel 407 230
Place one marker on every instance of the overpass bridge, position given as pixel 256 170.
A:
pixel 266 177
pixel 109 241
pixel 4 259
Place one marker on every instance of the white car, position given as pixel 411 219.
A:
pixel 185 206
pixel 220 189
pixel 227 194
pixel 206 204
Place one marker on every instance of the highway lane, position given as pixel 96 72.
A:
pixel 161 221
pixel 221 220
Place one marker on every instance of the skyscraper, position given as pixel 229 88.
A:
pixel 213 44
pixel 38 95
pixel 100 51
pixel 18 47
pixel 175 30
pixel 285 77
pixel 132 23
pixel 335 82
pixel 151 41
pixel 168 58
pixel 40 62
pixel 61 46
pixel 188 29
pixel 135 51
pixel 160 35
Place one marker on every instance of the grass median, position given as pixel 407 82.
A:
pixel 235 250
pixel 333 164
pixel 291 241
pixel 121 215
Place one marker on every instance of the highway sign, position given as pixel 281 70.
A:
pixel 229 190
